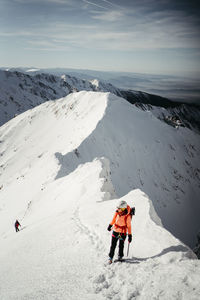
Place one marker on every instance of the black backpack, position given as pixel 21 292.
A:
pixel 132 212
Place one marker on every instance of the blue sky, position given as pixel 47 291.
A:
pixel 148 36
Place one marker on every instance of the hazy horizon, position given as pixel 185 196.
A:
pixel 176 88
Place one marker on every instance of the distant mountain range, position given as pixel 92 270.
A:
pixel 175 88
pixel 21 91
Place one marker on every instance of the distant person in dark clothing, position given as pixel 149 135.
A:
pixel 17 224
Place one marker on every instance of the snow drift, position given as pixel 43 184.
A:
pixel 64 164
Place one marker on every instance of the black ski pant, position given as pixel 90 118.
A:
pixel 115 237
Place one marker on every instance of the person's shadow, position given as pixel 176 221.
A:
pixel 137 260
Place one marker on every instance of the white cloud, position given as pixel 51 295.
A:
pixel 67 2
pixel 108 2
pixel 109 16
pixel 67 36
pixel 18 33
pixel 94 4
pixel 130 32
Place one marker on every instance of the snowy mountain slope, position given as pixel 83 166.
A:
pixel 162 107
pixel 63 166
pixel 181 89
pixel 162 161
pixel 64 244
pixel 20 92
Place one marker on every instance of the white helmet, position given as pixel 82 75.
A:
pixel 122 204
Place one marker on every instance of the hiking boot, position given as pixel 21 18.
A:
pixel 110 260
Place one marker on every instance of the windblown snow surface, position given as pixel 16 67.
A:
pixel 64 166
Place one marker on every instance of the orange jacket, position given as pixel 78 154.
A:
pixel 122 223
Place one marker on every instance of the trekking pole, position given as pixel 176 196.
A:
pixel 128 248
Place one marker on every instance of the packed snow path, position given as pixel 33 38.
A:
pixel 63 255
pixel 61 251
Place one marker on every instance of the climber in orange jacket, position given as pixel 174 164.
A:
pixel 121 224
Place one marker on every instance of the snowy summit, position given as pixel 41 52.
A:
pixel 64 166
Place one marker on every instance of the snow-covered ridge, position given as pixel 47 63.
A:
pixel 20 92
pixel 172 87
pixel 161 161
pixel 63 167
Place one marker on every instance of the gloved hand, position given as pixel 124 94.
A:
pixel 109 227
pixel 130 238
